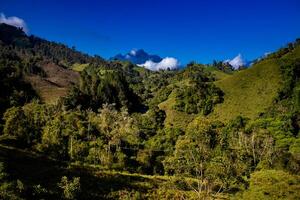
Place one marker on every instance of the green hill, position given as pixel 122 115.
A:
pixel 219 75
pixel 250 92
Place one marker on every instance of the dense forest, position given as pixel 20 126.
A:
pixel 119 131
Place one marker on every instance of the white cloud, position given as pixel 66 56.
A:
pixel 166 63
pixel 236 62
pixel 14 21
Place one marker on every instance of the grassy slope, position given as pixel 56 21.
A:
pixel 250 92
pixel 179 119
pixel 219 75
pixel 175 118
pixel 79 67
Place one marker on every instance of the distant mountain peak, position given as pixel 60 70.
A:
pixel 152 62
pixel 137 56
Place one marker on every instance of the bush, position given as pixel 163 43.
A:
pixel 70 188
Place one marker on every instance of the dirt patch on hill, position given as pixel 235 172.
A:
pixel 55 84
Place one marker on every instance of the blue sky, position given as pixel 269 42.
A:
pixel 189 30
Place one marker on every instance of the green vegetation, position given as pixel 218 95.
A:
pixel 198 95
pixel 219 74
pixel 272 184
pixel 113 130
pixel 251 92
pixel 79 67
pixel 99 86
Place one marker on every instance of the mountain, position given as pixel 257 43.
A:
pixel 137 57
pixel 151 62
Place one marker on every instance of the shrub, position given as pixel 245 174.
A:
pixel 70 188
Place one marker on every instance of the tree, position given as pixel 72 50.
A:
pixel 192 155
pixel 62 136
pixel 16 124
pixel 101 85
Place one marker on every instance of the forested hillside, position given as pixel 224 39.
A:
pixel 80 127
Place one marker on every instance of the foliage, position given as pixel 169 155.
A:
pixel 291 83
pixel 9 189
pixel 26 123
pixel 223 66
pixel 14 90
pixel 272 184
pixel 197 98
pixel 99 86
pixel 70 188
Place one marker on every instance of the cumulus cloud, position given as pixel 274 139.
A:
pixel 166 63
pixel 14 21
pixel 236 62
